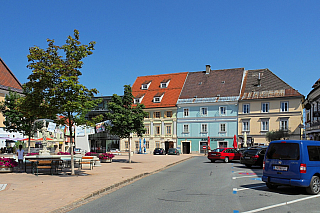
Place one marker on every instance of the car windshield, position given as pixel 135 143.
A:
pixel 218 150
pixel 284 151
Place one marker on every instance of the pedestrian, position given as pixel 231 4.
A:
pixel 20 154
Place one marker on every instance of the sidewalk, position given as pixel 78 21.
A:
pixel 25 192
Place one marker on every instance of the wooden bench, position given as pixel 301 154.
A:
pixel 44 164
pixel 86 160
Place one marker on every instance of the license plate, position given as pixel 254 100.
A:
pixel 280 168
pixel 213 154
pixel 246 157
pixel 157 153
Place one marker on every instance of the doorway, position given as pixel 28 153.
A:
pixel 185 147
pixel 168 145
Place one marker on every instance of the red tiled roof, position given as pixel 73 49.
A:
pixel 7 78
pixel 171 93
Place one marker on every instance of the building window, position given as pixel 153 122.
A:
pixel 157 144
pixel 246 108
pixel 156 114
pixel 147 145
pixel 284 124
pixel 284 106
pixel 222 127
pixel 145 85
pixel 138 100
pixel 245 126
pixel 168 129
pixel 185 128
pixel 164 84
pixel 203 111
pixel 157 130
pixel 204 128
pixel 168 114
pixel 126 145
pixel 157 98
pixel 137 144
pixel 147 130
pixel 222 110
pixel 185 112
pixel 265 107
pixel 264 125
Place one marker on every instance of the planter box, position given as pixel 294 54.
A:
pixel 4 169
pixel 105 160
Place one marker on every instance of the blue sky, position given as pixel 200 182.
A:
pixel 144 37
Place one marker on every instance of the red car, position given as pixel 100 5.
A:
pixel 225 154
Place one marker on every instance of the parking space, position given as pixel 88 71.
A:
pixel 253 195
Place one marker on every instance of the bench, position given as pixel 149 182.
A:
pixel 88 160
pixel 44 164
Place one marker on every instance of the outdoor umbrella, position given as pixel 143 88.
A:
pixel 209 143
pixel 140 145
pixel 144 142
pixel 41 139
pixel 245 139
pixel 235 143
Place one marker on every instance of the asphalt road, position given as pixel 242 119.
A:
pixel 197 185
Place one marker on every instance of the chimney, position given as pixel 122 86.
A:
pixel 259 80
pixel 208 69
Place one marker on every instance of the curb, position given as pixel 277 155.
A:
pixel 94 195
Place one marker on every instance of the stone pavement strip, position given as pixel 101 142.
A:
pixel 25 192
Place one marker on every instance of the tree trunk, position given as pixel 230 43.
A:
pixel 71 144
pixel 129 150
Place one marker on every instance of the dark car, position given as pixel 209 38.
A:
pixel 241 150
pixel 173 151
pixel 159 151
pixel 225 154
pixel 253 156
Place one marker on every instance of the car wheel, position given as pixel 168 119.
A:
pixel 314 187
pixel 248 165
pixel 212 161
pixel 271 186
pixel 226 160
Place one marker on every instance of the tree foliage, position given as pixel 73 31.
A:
pixel 17 118
pixel 277 135
pixel 54 86
pixel 125 118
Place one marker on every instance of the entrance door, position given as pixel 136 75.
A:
pixel 168 145
pixel 185 147
pixel 202 150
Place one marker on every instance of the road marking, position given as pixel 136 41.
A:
pixel 236 189
pixel 3 186
pixel 244 177
pixel 282 204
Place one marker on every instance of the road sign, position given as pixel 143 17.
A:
pixel 204 147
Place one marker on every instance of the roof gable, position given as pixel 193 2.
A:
pixel 216 83
pixel 263 83
pixel 8 79
pixel 170 93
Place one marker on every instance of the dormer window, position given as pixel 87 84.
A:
pixel 145 85
pixel 158 97
pixel 138 99
pixel 164 83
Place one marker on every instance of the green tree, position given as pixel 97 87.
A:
pixel 15 118
pixel 125 118
pixel 54 84
pixel 277 135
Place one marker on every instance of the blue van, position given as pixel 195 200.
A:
pixel 293 163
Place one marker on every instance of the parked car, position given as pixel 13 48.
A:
pixel 241 150
pixel 293 163
pixel 115 151
pixel 253 156
pixel 159 151
pixel 225 154
pixel 173 151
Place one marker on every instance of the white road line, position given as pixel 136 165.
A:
pixel 3 186
pixel 245 176
pixel 236 189
pixel 282 204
